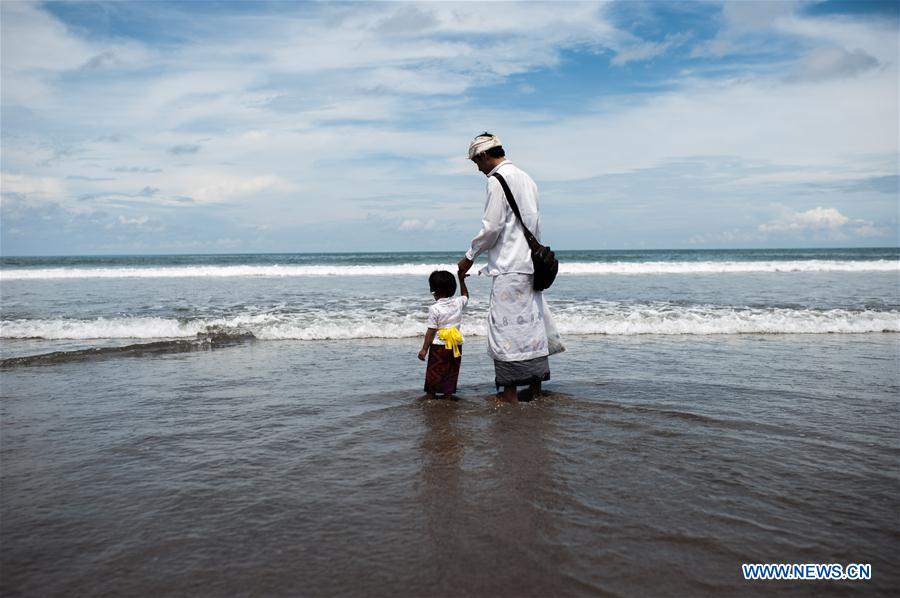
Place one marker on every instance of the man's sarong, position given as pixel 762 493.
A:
pixel 521 332
pixel 521 373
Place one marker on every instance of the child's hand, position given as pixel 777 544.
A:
pixel 460 274
pixel 422 354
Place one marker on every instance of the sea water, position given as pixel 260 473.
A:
pixel 362 296
pixel 253 425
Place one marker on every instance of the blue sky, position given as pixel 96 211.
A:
pixel 198 127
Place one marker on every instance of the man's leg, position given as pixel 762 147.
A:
pixel 509 394
pixel 533 392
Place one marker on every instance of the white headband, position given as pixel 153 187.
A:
pixel 483 143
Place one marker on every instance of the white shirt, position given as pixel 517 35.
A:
pixel 501 234
pixel 445 313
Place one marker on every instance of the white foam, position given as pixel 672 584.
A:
pixel 274 271
pixel 628 268
pixel 615 319
pixel 566 268
pixel 609 318
pixel 101 328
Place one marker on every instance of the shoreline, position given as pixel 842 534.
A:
pixel 127 347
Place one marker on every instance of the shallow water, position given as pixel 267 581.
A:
pixel 657 465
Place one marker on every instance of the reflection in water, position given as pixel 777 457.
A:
pixel 442 493
pixel 489 497
pixel 525 500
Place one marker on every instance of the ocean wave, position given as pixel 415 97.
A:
pixel 611 319
pixel 572 268
pixel 203 341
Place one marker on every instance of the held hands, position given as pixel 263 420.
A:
pixel 464 265
pixel 461 274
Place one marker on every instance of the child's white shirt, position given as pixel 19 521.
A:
pixel 446 312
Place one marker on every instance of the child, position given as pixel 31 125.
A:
pixel 442 339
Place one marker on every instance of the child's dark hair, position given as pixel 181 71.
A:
pixel 442 283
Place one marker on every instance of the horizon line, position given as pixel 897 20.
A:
pixel 385 252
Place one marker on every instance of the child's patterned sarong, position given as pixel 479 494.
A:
pixel 442 371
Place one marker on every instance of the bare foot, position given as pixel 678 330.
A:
pixel 532 392
pixel 508 395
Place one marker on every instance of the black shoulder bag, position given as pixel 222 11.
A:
pixel 546 266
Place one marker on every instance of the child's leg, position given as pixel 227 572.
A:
pixel 451 376
pixel 432 374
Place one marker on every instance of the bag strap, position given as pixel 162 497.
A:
pixel 515 208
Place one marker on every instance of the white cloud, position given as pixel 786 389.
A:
pixel 414 224
pixel 36 47
pixel 32 186
pixel 308 114
pixel 739 118
pixel 742 23
pixel 829 63
pixel 34 40
pixel 726 238
pixel 395 80
pixel 823 124
pixel 138 221
pixel 822 221
pixel 876 38
pixel 648 50
pixel 469 42
pixel 214 187
pixel 768 176
pixel 184 148
pixel 749 16
pixel 814 219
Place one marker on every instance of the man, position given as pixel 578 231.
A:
pixel 517 337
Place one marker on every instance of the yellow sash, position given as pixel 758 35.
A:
pixel 452 339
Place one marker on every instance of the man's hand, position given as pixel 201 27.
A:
pixel 464 265
pixel 422 354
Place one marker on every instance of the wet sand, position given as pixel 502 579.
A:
pixel 656 467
